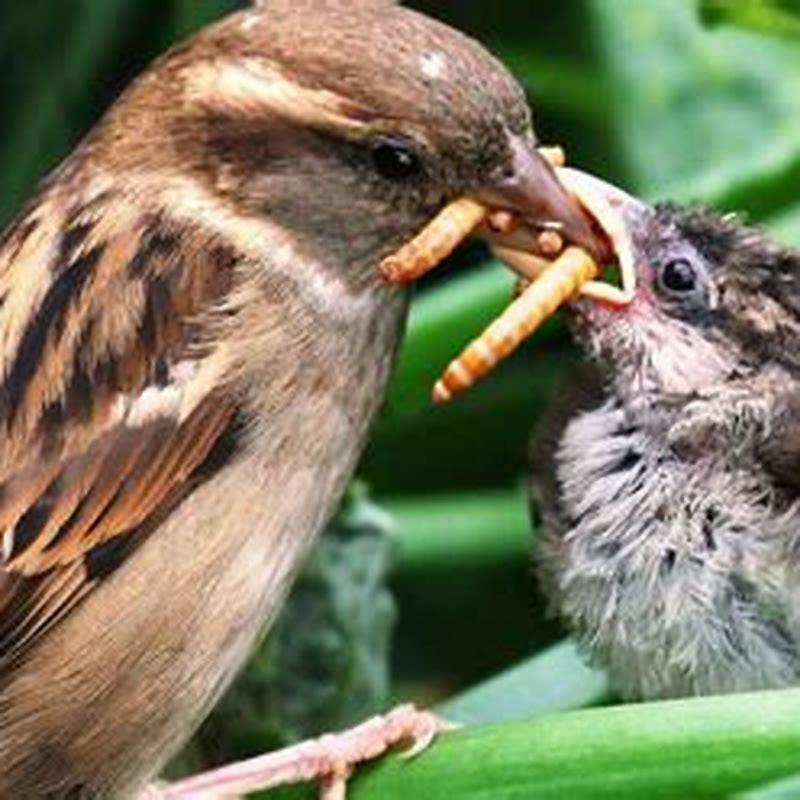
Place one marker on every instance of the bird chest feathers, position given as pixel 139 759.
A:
pixel 673 572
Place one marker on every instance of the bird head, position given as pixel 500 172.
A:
pixel 716 300
pixel 349 125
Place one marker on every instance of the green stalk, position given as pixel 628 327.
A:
pixel 703 748
pixel 458 531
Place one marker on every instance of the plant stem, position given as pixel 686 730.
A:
pixel 702 748
pixel 461 530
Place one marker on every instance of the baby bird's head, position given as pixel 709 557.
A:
pixel 716 301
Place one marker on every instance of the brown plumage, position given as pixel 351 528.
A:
pixel 194 338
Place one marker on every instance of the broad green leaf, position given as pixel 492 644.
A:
pixel 697 109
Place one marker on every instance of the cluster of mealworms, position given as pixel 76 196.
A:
pixel 552 277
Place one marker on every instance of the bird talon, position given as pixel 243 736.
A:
pixel 429 727
pixel 329 760
pixel 334 786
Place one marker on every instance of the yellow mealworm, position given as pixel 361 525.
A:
pixel 531 267
pixel 437 241
pixel 562 281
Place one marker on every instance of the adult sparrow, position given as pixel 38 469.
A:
pixel 195 336
pixel 668 492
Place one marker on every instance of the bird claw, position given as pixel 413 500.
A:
pixel 330 759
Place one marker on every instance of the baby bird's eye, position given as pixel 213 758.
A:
pixel 679 276
pixel 394 158
pixel 682 281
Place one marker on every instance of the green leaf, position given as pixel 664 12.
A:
pixel 556 679
pixel 702 748
pixel 696 108
pixel 774 17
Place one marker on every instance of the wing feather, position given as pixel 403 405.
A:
pixel 101 331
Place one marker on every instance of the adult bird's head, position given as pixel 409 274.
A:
pixel 350 125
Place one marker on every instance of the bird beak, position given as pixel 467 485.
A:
pixel 610 214
pixel 549 283
pixel 531 191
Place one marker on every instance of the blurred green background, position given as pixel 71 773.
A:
pixel 432 589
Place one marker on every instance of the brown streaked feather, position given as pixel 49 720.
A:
pixel 112 490
pixel 97 445
pixel 88 528
pixel 101 323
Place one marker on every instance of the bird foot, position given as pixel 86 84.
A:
pixel 330 760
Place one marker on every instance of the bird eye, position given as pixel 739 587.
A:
pixel 679 276
pixel 394 159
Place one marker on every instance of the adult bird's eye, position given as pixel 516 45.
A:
pixel 679 276
pixel 394 159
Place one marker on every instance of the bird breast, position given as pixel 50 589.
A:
pixel 671 572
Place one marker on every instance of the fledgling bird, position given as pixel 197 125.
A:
pixel 195 336
pixel 669 493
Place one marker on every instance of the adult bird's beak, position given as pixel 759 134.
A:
pixel 530 189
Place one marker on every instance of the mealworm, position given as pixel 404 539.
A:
pixel 436 241
pixel 525 264
pixel 562 281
